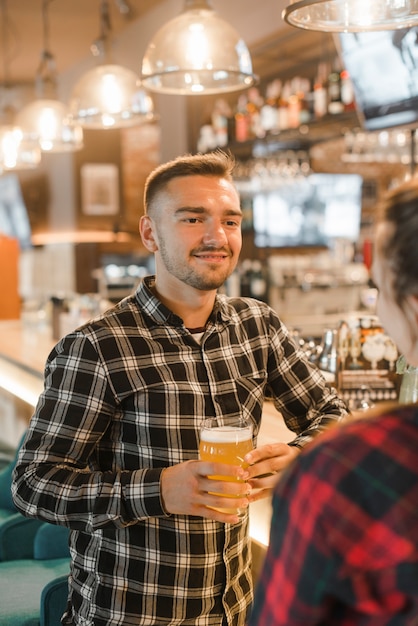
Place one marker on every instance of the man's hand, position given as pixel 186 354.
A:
pixel 186 489
pixel 266 463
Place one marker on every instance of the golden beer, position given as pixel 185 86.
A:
pixel 226 444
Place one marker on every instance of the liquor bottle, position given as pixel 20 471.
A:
pixel 335 104
pixel 220 114
pixel 347 91
pixel 304 94
pixel 254 105
pixel 294 104
pixel 283 106
pixel 242 122
pixel 320 96
pixel 269 113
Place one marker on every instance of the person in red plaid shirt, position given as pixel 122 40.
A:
pixel 344 535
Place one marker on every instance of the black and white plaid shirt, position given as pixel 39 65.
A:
pixel 123 399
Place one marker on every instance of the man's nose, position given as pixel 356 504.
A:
pixel 215 234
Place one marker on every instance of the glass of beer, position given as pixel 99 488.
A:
pixel 226 443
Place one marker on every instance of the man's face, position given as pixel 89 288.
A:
pixel 196 227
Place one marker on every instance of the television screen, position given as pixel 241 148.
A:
pixel 384 70
pixel 14 220
pixel 309 212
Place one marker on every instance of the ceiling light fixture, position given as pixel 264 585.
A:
pixel 46 119
pixel 16 152
pixel 197 52
pixel 351 15
pixel 109 95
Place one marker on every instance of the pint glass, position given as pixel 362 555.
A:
pixel 226 443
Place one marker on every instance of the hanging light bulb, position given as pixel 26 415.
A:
pixel 16 151
pixel 197 52
pixel 47 119
pixel 109 95
pixel 49 122
pixel 351 15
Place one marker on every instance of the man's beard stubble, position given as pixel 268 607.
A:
pixel 190 276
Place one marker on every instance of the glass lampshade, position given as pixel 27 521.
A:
pixel 351 15
pixel 110 96
pixel 49 122
pixel 197 52
pixel 16 151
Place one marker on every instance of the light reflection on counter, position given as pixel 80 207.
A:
pixel 19 383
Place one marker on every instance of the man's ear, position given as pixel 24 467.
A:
pixel 147 232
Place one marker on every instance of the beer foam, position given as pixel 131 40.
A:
pixel 226 434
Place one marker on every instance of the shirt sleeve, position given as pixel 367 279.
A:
pixel 298 388
pixel 57 476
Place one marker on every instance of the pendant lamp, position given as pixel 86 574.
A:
pixel 109 95
pixel 351 15
pixel 197 52
pixel 16 151
pixel 46 119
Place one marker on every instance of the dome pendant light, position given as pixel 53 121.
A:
pixel 351 15
pixel 46 119
pixel 109 95
pixel 16 152
pixel 197 52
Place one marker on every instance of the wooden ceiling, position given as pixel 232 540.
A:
pixel 291 52
pixel 75 24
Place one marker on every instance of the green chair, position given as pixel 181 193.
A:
pixel 33 591
pixel 16 541
pixel 53 601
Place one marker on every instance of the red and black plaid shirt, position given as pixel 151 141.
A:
pixel 344 537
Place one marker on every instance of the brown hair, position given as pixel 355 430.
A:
pixel 400 209
pixel 218 163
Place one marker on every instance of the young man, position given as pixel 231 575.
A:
pixel 112 450
pixel 344 535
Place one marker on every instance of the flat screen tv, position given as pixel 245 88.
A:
pixel 14 219
pixel 384 70
pixel 312 211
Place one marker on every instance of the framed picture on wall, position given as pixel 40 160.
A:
pixel 100 189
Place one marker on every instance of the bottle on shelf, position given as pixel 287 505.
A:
pixel 320 96
pixel 335 103
pixel 269 111
pixel 254 106
pixel 220 114
pixel 347 91
pixel 294 104
pixel 242 120
pixel 283 106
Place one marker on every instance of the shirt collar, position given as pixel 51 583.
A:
pixel 153 307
